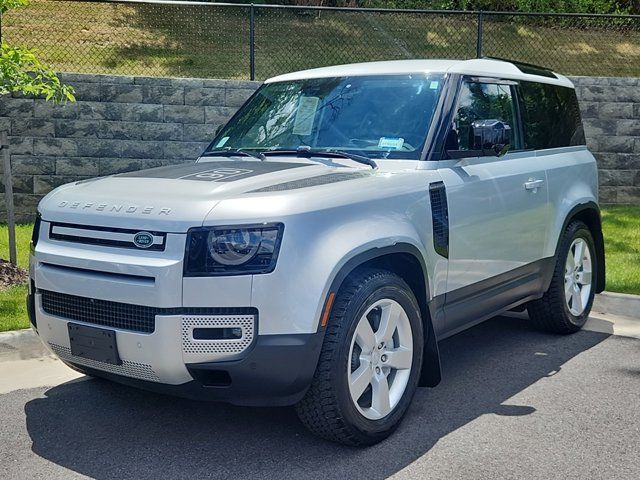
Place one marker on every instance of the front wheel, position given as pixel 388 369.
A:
pixel 565 306
pixel 370 361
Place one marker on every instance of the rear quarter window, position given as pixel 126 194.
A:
pixel 551 116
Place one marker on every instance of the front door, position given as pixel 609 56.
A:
pixel 497 208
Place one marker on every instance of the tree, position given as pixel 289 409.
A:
pixel 21 72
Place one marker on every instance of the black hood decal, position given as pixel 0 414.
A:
pixel 224 171
pixel 312 181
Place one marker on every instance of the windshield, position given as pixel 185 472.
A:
pixel 375 116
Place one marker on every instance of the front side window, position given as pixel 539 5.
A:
pixel 482 108
pixel 377 116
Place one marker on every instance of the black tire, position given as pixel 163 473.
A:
pixel 327 409
pixel 551 313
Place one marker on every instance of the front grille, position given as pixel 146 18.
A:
pixel 124 316
pixel 107 236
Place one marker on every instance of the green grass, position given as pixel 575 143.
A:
pixel 13 311
pixel 212 42
pixel 621 225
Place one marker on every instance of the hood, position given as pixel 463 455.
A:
pixel 177 197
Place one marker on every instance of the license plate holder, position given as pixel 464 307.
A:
pixel 94 343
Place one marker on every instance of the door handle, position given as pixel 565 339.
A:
pixel 533 184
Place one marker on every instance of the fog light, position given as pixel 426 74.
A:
pixel 234 333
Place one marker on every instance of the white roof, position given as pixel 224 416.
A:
pixel 478 67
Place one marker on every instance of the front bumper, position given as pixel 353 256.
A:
pixel 273 370
pixel 277 372
pixel 155 311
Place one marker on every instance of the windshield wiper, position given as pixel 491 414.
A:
pixel 229 152
pixel 308 152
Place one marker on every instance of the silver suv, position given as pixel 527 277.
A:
pixel 342 222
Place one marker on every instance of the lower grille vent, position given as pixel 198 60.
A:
pixel 127 369
pixel 141 318
pixel 124 316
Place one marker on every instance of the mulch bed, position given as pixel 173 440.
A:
pixel 11 275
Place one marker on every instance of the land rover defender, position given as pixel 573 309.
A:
pixel 343 222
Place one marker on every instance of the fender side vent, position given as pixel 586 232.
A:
pixel 440 218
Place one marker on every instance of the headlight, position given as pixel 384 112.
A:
pixel 232 250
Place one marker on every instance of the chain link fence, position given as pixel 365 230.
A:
pixel 196 39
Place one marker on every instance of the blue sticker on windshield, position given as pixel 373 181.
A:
pixel 434 85
pixel 391 143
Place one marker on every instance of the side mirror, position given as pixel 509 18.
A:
pixel 491 137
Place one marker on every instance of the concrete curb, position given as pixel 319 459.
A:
pixel 618 304
pixel 21 345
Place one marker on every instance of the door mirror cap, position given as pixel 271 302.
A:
pixel 491 137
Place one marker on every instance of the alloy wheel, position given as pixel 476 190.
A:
pixel 578 277
pixel 380 359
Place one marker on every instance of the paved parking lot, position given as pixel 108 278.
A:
pixel 514 403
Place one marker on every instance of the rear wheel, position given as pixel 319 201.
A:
pixel 565 306
pixel 370 361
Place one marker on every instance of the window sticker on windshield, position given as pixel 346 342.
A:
pixel 306 114
pixel 434 85
pixel 222 141
pixel 392 143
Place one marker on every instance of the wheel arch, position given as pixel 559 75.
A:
pixel 406 261
pixel 589 213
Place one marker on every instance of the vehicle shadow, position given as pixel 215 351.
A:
pixel 105 430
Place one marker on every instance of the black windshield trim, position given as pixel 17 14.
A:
pixel 224 152
pixel 313 152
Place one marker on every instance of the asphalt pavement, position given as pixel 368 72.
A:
pixel 514 403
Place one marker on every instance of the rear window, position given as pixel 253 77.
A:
pixel 551 116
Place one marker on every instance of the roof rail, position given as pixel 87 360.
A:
pixel 529 68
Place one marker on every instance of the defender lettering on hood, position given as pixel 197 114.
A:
pixel 115 208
